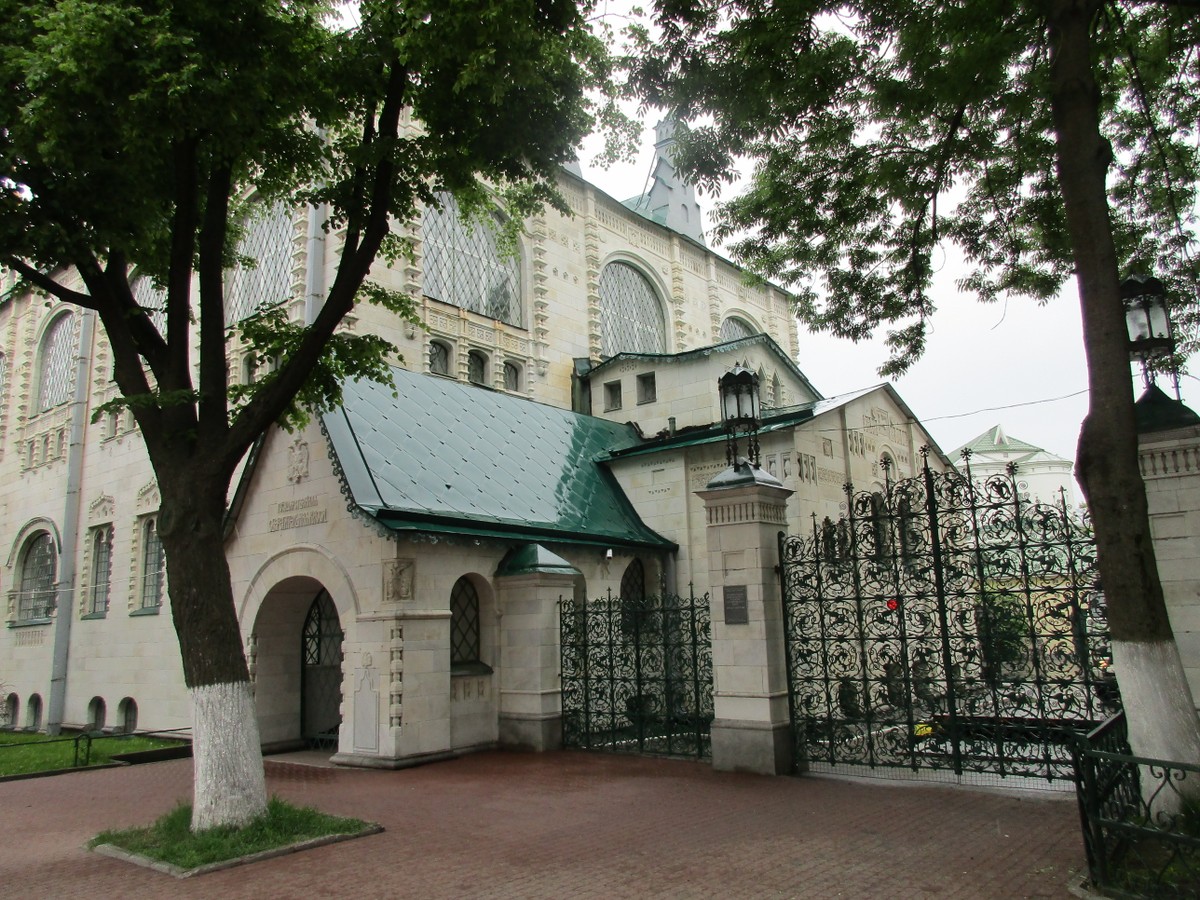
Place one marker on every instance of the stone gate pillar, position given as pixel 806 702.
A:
pixel 530 581
pixel 746 508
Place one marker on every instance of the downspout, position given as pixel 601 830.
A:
pixel 64 600
pixel 314 280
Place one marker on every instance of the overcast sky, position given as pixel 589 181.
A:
pixel 1018 364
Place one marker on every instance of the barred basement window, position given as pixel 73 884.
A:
pixel 54 363
pixel 464 623
pixel 97 713
pixel 154 565
pixel 98 590
pixel 439 358
pixel 267 240
pixel 631 317
pixel 476 367
pixel 733 329
pixel 38 570
pixel 463 265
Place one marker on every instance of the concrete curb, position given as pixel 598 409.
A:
pixel 177 872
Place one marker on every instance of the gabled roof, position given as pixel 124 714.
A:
pixel 725 347
pixel 995 440
pixel 443 457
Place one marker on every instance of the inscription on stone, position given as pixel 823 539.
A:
pixel 736 610
pixel 298 513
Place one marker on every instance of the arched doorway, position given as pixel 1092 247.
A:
pixel 321 675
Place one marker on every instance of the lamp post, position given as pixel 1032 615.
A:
pixel 1148 322
pixel 740 412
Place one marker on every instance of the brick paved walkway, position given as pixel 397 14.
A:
pixel 566 825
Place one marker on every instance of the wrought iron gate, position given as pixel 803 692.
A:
pixel 637 675
pixel 944 624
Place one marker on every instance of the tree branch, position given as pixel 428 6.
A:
pixel 44 282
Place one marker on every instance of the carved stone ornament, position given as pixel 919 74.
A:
pixel 148 496
pixel 297 461
pixel 398 580
pixel 102 509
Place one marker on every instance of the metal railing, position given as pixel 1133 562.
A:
pixel 1140 817
pixel 82 751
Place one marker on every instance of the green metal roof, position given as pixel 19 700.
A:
pixel 449 458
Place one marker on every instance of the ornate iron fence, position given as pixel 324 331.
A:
pixel 1141 817
pixel 945 624
pixel 637 676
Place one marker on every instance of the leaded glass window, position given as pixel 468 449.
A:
pixel 154 565
pixel 463 265
pixel 439 358
pixel 38 570
pixel 153 300
pixel 733 329
pixel 631 317
pixel 98 590
pixel 464 623
pixel 54 366
pixel 512 376
pixel 476 367
pixel 267 240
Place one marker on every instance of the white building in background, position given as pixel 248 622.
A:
pixel 397 565
pixel 1040 474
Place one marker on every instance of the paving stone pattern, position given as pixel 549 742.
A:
pixel 559 825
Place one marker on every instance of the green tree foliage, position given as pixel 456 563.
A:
pixel 1043 140
pixel 134 138
pixel 882 131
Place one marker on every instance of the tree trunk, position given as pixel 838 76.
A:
pixel 228 786
pixel 1161 713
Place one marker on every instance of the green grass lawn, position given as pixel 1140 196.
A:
pixel 171 840
pixel 23 753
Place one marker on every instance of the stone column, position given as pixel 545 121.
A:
pixel 529 583
pixel 746 508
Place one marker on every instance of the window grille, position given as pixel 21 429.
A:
pixel 38 570
pixel 267 240
pixel 154 566
pixel 512 376
pixel 733 329
pixel 476 367
pixel 153 300
pixel 98 590
pixel 439 358
pixel 463 265
pixel 631 317
pixel 55 371
pixel 464 623
pixel 3 379
pixel 322 633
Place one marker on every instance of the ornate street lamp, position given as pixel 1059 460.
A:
pixel 1148 322
pixel 740 411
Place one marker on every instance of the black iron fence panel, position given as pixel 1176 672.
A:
pixel 1141 818
pixel 637 675
pixel 945 624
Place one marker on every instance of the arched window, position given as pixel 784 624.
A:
pixel 154 565
pixel 464 623
pixel 631 317
pixel 54 363
pixel 267 240
pixel 33 713
pixel 463 265
pixel 39 564
pixel 101 570
pixel 127 714
pixel 733 329
pixel 633 598
pixel 439 358
pixel 11 711
pixel 476 367
pixel 512 376
pixel 97 712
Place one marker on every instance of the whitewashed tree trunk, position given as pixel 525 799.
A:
pixel 228 787
pixel 1163 724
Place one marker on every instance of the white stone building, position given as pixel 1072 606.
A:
pixel 397 565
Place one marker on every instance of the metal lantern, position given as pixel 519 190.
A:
pixel 1146 317
pixel 740 411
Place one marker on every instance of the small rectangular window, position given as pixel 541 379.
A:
pixel 646 390
pixel 612 396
